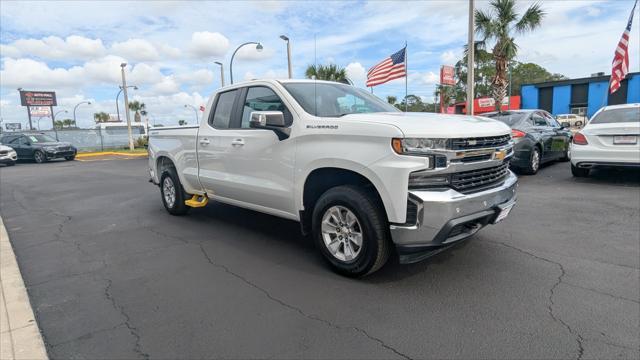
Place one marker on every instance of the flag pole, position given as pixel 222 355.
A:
pixel 406 77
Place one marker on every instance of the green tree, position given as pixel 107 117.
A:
pixel 68 123
pixel 331 72
pixel 527 73
pixel 58 124
pixel 101 117
pixel 138 107
pixel 392 99
pixel 499 26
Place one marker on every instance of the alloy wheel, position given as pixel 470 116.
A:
pixel 342 233
pixel 169 192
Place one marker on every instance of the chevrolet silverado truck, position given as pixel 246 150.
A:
pixel 361 177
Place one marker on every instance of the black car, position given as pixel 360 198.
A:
pixel 538 138
pixel 39 147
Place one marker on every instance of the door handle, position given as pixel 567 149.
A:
pixel 237 142
pixel 204 141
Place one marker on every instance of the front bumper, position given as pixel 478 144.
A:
pixel 8 158
pixel 59 154
pixel 444 218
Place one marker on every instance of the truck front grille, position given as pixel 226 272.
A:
pixel 468 182
pixel 480 142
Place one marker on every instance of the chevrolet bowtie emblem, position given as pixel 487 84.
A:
pixel 500 155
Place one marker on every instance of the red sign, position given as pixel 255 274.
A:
pixel 38 98
pixel 447 75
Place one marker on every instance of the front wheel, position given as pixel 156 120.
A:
pixel 70 158
pixel 351 231
pixel 173 196
pixel 39 157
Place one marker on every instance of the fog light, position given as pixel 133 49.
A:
pixel 423 179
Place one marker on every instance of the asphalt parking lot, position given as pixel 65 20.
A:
pixel 111 275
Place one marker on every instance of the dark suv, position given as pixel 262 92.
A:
pixel 39 147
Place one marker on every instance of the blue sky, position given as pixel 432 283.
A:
pixel 75 48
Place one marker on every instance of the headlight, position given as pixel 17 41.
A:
pixel 50 148
pixel 417 146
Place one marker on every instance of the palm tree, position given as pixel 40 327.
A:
pixel 101 117
pixel 138 107
pixel 499 26
pixel 331 72
pixel 59 124
pixel 392 99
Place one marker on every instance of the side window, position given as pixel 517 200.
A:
pixel 224 109
pixel 16 141
pixel 538 120
pixel 260 98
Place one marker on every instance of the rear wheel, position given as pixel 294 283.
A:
pixel 534 162
pixel 173 196
pixel 579 172
pixel 567 153
pixel 350 230
pixel 39 157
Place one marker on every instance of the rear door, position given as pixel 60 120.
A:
pixel 544 133
pixel 561 136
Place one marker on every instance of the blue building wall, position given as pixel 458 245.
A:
pixel 561 99
pixel 633 89
pixel 529 94
pixel 597 97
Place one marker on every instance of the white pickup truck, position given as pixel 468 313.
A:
pixel 360 176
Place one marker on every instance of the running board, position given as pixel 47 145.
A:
pixel 197 201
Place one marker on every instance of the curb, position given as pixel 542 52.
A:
pixel 20 336
pixel 103 153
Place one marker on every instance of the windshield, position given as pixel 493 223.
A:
pixel 334 100
pixel 40 138
pixel 510 118
pixel 617 116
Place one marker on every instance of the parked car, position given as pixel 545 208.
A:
pixel 8 156
pixel 610 139
pixel 575 121
pixel 358 174
pixel 39 147
pixel 538 138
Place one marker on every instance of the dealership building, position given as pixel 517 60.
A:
pixel 579 96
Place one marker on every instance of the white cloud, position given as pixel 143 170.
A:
pixel 167 85
pixel 53 47
pixel 249 52
pixel 143 74
pixel 449 57
pixel 197 77
pixel 356 72
pixel 208 44
pixel 136 50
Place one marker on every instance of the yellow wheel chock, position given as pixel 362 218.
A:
pixel 197 201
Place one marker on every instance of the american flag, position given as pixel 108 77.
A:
pixel 620 66
pixel 393 67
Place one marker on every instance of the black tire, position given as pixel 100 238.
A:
pixel 532 168
pixel 371 219
pixel 579 172
pixel 177 207
pixel 567 153
pixel 39 157
pixel 70 158
pixel 11 163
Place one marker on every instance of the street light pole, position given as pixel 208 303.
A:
pixel 258 47
pixel 194 109
pixel 221 73
pixel 470 61
pixel 75 107
pixel 285 38
pixel 126 105
pixel 117 106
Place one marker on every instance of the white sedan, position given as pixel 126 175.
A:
pixel 8 156
pixel 610 139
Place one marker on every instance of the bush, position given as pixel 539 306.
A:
pixel 142 142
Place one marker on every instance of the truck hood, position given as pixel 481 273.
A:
pixel 435 125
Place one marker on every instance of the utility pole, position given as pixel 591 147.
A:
pixel 126 105
pixel 285 38
pixel 470 61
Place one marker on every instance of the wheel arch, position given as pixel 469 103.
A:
pixel 321 179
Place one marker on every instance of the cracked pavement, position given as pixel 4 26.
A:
pixel 111 275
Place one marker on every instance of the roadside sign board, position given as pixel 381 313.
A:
pixel 13 126
pixel 447 75
pixel 40 110
pixel 38 98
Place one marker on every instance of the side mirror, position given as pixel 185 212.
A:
pixel 266 119
pixel 565 124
